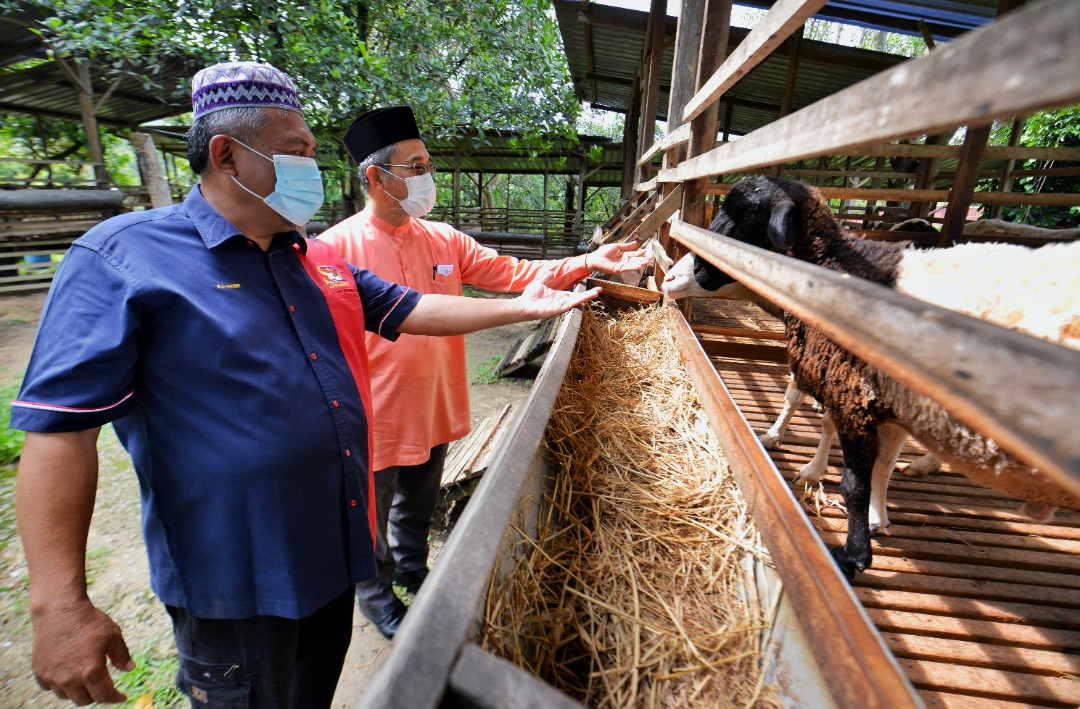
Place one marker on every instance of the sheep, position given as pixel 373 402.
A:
pixel 693 277
pixel 868 408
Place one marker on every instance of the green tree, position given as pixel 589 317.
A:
pixel 488 64
pixel 1054 128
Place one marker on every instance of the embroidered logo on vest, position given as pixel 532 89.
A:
pixel 332 277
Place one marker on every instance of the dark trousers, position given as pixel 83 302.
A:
pixel 263 661
pixel 405 498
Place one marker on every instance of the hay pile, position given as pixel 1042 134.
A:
pixel 633 595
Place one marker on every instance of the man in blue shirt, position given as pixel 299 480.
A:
pixel 228 351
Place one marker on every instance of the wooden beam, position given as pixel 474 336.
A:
pixel 676 137
pixel 784 18
pixel 967 366
pixel 1039 44
pixel 716 28
pixel 1052 199
pixel 967 173
pixel 652 62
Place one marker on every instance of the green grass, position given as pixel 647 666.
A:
pixel 485 371
pixel 155 676
pixel 11 441
pixel 7 507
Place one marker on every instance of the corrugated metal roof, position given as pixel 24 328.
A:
pixel 604 67
pixel 946 18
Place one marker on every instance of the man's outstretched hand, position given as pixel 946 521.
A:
pixel 539 300
pixel 617 258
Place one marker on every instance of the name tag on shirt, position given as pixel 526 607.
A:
pixel 438 270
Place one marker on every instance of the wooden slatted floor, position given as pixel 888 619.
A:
pixel 980 605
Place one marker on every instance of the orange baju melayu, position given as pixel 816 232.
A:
pixel 419 384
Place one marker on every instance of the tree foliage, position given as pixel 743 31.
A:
pixel 489 64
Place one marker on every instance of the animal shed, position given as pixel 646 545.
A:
pixel 968 603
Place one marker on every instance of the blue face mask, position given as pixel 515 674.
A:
pixel 298 192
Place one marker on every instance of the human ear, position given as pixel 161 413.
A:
pixel 221 154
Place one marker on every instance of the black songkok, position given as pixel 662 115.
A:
pixel 378 128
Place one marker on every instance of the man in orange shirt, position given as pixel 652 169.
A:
pixel 420 384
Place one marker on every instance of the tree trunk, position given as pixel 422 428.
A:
pixel 150 167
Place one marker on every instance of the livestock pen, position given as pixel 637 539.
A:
pixel 968 603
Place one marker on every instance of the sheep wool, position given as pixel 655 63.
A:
pixel 1030 290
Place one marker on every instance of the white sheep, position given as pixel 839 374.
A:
pixel 868 407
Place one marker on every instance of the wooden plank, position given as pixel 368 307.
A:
pixel 973 609
pixel 483 681
pixel 647 229
pixel 739 332
pixel 999 633
pixel 993 684
pixel 622 295
pixel 933 700
pixel 963 553
pixel 1024 61
pixel 966 365
pixel 978 572
pixel 439 624
pixel 676 137
pixel 785 17
pixel 916 195
pixel 1013 591
pixel 973 654
pixel 861 671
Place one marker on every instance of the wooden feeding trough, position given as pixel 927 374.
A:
pixel 443 630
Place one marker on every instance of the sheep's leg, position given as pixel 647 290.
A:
pixel 859 455
pixel 811 472
pixel 793 398
pixel 890 441
pixel 925 465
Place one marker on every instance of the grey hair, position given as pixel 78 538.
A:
pixel 240 123
pixel 381 156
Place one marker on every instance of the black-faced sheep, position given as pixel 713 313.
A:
pixel 866 406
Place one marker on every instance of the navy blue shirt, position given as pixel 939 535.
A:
pixel 239 395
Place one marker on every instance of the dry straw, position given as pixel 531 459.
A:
pixel 632 591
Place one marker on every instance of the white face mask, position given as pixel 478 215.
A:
pixel 421 197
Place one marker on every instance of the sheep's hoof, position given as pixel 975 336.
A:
pixel 816 407
pixel 1038 512
pixel 770 442
pixel 809 475
pixel 847 568
pixel 922 466
pixel 876 527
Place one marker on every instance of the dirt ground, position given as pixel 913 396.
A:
pixel 117 563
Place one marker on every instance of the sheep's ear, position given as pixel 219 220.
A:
pixel 782 223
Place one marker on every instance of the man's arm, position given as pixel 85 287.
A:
pixel 454 315
pixel 54 498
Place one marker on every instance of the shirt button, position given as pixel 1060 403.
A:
pixel 336 403
pixel 348 453
pixel 352 503
pixel 314 356
pixel 292 308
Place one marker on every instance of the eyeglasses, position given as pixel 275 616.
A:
pixel 418 168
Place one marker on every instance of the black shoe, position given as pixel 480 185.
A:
pixel 388 619
pixel 411 580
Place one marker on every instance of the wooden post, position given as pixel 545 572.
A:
pixel 967 173
pixel 716 26
pixel 654 55
pixel 629 142
pixel 1007 169
pixel 457 187
pixel 84 89
pixel 151 170
pixel 789 87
